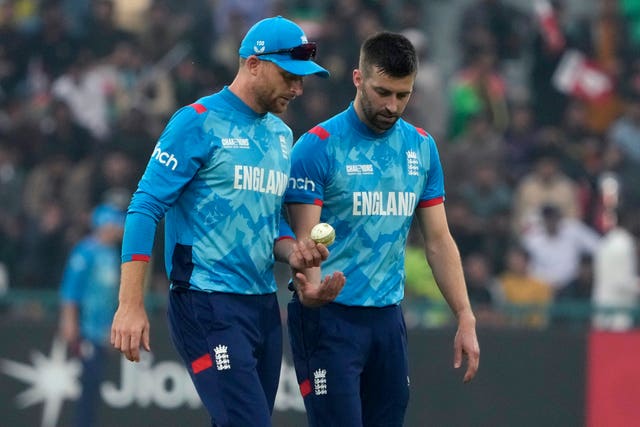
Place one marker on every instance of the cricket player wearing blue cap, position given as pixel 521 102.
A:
pixel 88 298
pixel 218 175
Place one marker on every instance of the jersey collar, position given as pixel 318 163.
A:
pixel 238 104
pixel 362 128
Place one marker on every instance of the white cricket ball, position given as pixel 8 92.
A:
pixel 323 233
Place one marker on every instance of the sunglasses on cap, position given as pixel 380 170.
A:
pixel 304 52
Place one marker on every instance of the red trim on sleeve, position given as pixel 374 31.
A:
pixel 140 257
pixel 199 108
pixel 318 202
pixel 201 363
pixel 305 388
pixel 320 132
pixel 284 238
pixel 431 202
pixel 421 131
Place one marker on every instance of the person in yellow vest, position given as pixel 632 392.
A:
pixel 524 295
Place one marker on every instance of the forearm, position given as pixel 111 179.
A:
pixel 444 259
pixel 132 283
pixel 283 249
pixel 69 321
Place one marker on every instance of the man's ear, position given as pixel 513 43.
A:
pixel 252 64
pixel 357 78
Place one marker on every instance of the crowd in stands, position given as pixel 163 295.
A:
pixel 538 128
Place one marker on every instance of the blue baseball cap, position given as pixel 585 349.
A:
pixel 106 214
pixel 282 42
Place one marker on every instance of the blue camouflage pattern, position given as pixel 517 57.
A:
pixel 369 186
pixel 219 171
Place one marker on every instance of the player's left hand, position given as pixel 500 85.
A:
pixel 315 295
pixel 307 253
pixel 465 345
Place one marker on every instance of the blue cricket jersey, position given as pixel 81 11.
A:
pixel 219 171
pixel 90 281
pixel 368 185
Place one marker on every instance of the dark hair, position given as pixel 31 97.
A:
pixel 392 53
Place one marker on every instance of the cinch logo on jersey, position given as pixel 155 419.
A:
pixel 235 142
pixel 252 178
pixel 305 184
pixel 359 169
pixel 165 158
pixel 383 204
pixel 412 163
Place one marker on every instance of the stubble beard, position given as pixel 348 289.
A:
pixel 372 116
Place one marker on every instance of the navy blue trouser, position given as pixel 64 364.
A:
pixel 232 346
pixel 93 357
pixel 351 364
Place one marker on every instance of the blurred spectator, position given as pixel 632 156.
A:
pixel 573 304
pixel 486 194
pixel 315 108
pixel 627 172
pixel 135 135
pixel 89 296
pixel 428 105
pixel 422 291
pixel 88 89
pixel 18 125
pixel 45 182
pixel 102 32
pixel 480 143
pixel 604 38
pixel 625 131
pixel 76 13
pixel 578 153
pixel 545 184
pixel 481 286
pixel 11 192
pixel 60 129
pixel 489 200
pixel 107 170
pixel 580 288
pixel 495 24
pixel 556 246
pixel 588 167
pixel 631 11
pixel 549 44
pixel 52 47
pixel 465 228
pixel 478 89
pixel 575 122
pixel 238 15
pixel 13 44
pixel 200 30
pixel 616 281
pixel 163 28
pixel 44 247
pixel 137 83
pixel 520 141
pixel 129 15
pixel 529 295
pixel 190 81
pixel 232 18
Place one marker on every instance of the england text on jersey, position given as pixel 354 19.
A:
pixel 262 180
pixel 383 203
